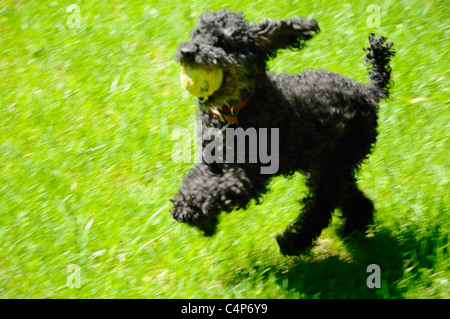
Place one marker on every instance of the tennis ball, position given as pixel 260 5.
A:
pixel 201 81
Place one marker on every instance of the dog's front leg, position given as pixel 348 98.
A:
pixel 205 193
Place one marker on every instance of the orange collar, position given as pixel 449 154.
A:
pixel 229 114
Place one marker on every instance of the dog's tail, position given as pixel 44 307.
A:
pixel 378 58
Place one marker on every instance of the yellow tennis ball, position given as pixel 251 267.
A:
pixel 201 81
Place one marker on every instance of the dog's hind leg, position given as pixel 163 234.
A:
pixel 357 209
pixel 317 209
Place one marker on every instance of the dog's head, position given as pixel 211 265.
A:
pixel 240 50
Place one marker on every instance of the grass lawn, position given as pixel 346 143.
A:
pixel 87 112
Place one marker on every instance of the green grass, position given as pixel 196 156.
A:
pixel 86 172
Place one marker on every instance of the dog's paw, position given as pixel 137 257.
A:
pixel 293 244
pixel 356 226
pixel 185 213
pixel 195 217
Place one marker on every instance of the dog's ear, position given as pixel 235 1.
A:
pixel 271 35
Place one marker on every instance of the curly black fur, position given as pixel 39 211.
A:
pixel 327 125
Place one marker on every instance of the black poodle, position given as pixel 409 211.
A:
pixel 322 124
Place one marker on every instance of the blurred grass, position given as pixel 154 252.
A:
pixel 86 172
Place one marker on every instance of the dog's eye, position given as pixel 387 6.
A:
pixel 221 41
pixel 224 42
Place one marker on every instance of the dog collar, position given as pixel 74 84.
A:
pixel 229 114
